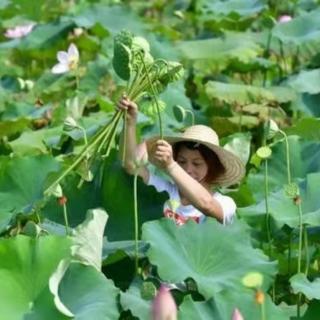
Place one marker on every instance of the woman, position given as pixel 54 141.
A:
pixel 195 163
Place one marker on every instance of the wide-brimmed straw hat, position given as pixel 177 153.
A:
pixel 234 167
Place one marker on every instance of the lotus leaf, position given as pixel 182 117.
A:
pixel 300 283
pixel 215 256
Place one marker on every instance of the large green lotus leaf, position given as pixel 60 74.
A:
pixel 307 128
pixel 25 267
pixel 117 199
pixel 312 312
pixel 41 36
pixel 240 7
pixel 232 46
pixel 299 30
pixel 239 144
pixel 306 81
pixel 222 305
pixel 95 72
pixel 80 200
pixel 87 238
pixel 308 104
pixel 114 251
pixel 113 18
pixel 132 300
pixel 21 184
pixel 245 94
pixel 23 10
pixel 88 294
pixel 181 252
pixel 300 283
pixel 116 18
pixel 33 142
pixel 304 159
pixel 8 128
pixel 207 310
pixel 282 208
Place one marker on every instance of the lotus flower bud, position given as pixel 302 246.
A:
pixel 272 129
pixel 56 191
pixel 284 19
pixel 164 306
pixel 69 124
pixel 141 155
pixel 236 315
pixel 19 31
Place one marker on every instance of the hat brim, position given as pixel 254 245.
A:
pixel 234 167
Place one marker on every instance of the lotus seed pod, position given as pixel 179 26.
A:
pixel 252 280
pixel 264 152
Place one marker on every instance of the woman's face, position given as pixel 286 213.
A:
pixel 193 163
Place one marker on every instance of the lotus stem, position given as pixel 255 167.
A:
pixel 266 55
pixel 154 96
pixel 305 233
pixel 300 238
pixel 287 155
pixel 65 216
pixel 266 192
pixel 99 136
pixel 263 312
pixel 113 134
pixel 136 226
pixel 124 136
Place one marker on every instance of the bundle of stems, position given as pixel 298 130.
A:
pixel 144 76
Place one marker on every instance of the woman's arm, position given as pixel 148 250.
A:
pixel 197 194
pixel 129 142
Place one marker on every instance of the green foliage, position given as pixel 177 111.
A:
pixel 229 64
pixel 26 265
pixel 187 247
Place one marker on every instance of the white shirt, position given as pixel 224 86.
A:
pixel 174 209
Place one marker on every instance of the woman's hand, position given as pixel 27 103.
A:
pixel 163 154
pixel 131 107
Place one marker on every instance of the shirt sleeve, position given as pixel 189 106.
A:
pixel 160 184
pixel 228 207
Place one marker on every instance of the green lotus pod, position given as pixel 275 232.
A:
pixel 122 54
pixel 291 190
pixel 148 290
pixel 264 152
pixel 125 37
pixel 121 61
pixel 139 43
pixel 179 112
pixel 149 107
pixel 252 280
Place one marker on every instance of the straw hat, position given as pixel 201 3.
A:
pixel 234 168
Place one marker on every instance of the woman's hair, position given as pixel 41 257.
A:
pixel 215 167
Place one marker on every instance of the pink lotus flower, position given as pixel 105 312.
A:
pixel 141 155
pixel 285 18
pixel 68 60
pixel 164 306
pixel 19 31
pixel 236 315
